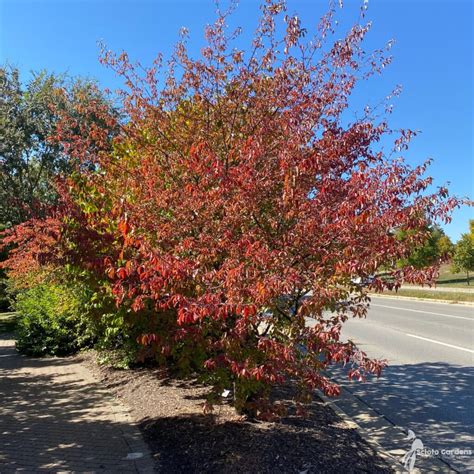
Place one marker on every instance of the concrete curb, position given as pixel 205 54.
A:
pixel 428 300
pixel 387 439
pixel 385 455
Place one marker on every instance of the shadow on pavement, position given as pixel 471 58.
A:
pixel 53 419
pixel 435 400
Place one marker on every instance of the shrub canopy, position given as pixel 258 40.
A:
pixel 236 202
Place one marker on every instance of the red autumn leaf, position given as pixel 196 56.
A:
pixel 121 273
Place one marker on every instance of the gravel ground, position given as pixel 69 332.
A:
pixel 185 440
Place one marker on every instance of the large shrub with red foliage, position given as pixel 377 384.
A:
pixel 236 203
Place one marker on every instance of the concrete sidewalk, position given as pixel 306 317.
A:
pixel 54 417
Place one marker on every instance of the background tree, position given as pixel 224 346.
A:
pixel 4 303
pixel 445 246
pixel 29 159
pixel 463 256
pixel 436 247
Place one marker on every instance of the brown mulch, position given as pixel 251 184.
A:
pixel 184 440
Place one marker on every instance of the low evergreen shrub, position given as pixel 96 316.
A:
pixel 51 322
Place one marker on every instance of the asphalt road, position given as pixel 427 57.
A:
pixel 429 384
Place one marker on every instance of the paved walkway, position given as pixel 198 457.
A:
pixel 54 417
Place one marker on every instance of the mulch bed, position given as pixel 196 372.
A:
pixel 185 440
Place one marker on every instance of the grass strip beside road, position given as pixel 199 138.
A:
pixel 432 295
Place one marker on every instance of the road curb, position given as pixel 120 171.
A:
pixel 387 439
pixel 428 300
pixel 379 450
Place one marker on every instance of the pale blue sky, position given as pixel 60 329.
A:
pixel 432 59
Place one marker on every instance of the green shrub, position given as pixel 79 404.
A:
pixel 117 344
pixel 51 321
pixel 4 302
pixel 118 331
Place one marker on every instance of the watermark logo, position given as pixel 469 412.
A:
pixel 409 457
pixel 418 450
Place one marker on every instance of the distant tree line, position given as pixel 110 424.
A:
pixel 438 248
pixel 463 253
pixel 30 160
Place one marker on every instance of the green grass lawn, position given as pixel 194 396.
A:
pixel 8 322
pixel 432 295
pixel 449 279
